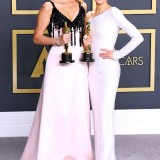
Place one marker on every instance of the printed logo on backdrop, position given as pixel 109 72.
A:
pixel 28 62
pixel 138 68
pixel 28 58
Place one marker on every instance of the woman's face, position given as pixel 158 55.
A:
pixel 100 1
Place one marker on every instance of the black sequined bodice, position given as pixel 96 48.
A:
pixel 57 23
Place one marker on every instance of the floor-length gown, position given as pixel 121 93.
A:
pixel 61 127
pixel 104 75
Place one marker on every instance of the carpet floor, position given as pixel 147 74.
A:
pixel 128 147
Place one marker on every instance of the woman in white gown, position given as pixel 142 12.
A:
pixel 61 127
pixel 104 73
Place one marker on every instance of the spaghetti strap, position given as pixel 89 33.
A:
pixel 52 3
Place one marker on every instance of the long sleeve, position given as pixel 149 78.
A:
pixel 130 29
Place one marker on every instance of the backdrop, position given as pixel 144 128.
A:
pixel 21 69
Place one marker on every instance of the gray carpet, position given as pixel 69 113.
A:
pixel 129 147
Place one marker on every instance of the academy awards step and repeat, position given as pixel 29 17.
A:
pixel 22 62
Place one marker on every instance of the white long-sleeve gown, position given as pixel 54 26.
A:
pixel 104 75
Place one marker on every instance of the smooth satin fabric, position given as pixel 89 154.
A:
pixel 61 128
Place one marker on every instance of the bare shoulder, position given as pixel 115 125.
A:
pixel 84 5
pixel 47 6
pixel 45 10
pixel 89 15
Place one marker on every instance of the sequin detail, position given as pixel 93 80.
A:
pixel 57 23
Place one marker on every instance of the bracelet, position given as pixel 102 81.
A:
pixel 56 41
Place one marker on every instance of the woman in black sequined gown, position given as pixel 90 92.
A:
pixel 61 127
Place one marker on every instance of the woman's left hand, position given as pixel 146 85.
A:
pixel 106 54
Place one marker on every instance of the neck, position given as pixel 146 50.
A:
pixel 101 7
pixel 65 1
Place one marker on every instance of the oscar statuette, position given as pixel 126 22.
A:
pixel 87 54
pixel 66 57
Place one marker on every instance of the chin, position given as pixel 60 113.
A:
pixel 100 1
